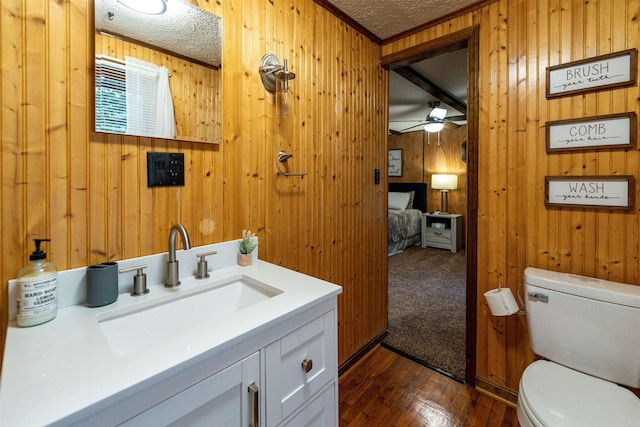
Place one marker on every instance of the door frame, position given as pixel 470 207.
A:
pixel 469 38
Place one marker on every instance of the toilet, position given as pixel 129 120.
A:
pixel 588 333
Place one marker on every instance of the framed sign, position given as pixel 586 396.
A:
pixel 395 162
pixel 598 192
pixel 592 133
pixel 602 72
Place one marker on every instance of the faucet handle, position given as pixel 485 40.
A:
pixel 203 268
pixel 139 280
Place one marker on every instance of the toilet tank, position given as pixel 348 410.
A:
pixel 587 324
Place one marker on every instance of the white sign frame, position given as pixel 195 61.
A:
pixel 395 162
pixel 613 131
pixel 601 72
pixel 597 192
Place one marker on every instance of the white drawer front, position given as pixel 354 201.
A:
pixel 320 412
pixel 439 236
pixel 288 383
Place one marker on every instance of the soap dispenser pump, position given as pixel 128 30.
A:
pixel 37 296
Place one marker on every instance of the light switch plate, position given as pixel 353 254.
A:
pixel 165 169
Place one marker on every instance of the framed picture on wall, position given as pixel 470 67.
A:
pixel 596 192
pixel 592 133
pixel 395 162
pixel 601 72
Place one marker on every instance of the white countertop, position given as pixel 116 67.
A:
pixel 55 369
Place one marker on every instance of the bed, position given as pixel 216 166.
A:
pixel 407 203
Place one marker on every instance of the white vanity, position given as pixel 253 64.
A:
pixel 248 346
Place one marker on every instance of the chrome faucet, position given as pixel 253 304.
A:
pixel 173 275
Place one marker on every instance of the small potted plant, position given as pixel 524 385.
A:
pixel 246 245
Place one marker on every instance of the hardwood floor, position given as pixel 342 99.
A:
pixel 387 390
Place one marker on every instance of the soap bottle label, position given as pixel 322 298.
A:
pixel 38 297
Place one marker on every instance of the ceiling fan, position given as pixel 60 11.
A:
pixel 436 120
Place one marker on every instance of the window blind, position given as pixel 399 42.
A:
pixel 142 88
pixel 111 96
pixel 133 97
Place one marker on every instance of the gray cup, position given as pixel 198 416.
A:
pixel 102 284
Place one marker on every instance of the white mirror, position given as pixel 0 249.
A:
pixel 158 72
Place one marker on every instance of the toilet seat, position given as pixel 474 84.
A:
pixel 554 395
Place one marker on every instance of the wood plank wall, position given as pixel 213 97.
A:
pixel 423 156
pixel 88 191
pixel 518 40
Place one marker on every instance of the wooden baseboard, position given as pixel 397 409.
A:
pixel 497 391
pixel 355 357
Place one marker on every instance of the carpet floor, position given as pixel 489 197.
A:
pixel 427 305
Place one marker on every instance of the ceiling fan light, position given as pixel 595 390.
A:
pixel 438 113
pixel 434 126
pixel 148 7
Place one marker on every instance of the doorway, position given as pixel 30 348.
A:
pixel 464 39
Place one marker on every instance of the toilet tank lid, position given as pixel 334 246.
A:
pixel 588 287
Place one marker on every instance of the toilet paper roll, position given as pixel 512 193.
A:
pixel 501 302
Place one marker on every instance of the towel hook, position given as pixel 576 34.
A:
pixel 283 156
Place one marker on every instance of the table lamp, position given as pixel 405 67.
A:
pixel 444 183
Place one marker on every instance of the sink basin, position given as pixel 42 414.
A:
pixel 133 328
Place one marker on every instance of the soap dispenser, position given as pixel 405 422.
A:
pixel 37 296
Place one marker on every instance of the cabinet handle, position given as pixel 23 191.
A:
pixel 307 365
pixel 254 405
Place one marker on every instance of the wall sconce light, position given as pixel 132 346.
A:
pixel 275 78
pixel 444 183
pixel 148 7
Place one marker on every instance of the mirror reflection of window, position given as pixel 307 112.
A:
pixel 134 98
pixel 149 103
pixel 111 95
pixel 187 41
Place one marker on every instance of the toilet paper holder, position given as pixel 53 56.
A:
pixel 502 303
pixel 521 300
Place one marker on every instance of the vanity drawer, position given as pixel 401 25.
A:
pixel 299 365
pixel 439 236
pixel 321 411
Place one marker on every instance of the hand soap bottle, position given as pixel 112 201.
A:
pixel 37 296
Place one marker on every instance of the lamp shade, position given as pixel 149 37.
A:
pixel 444 182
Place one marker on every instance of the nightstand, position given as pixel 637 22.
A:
pixel 442 231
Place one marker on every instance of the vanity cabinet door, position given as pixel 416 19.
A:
pixel 299 365
pixel 222 400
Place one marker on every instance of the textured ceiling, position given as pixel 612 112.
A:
pixel 183 29
pixel 386 18
pixel 408 104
